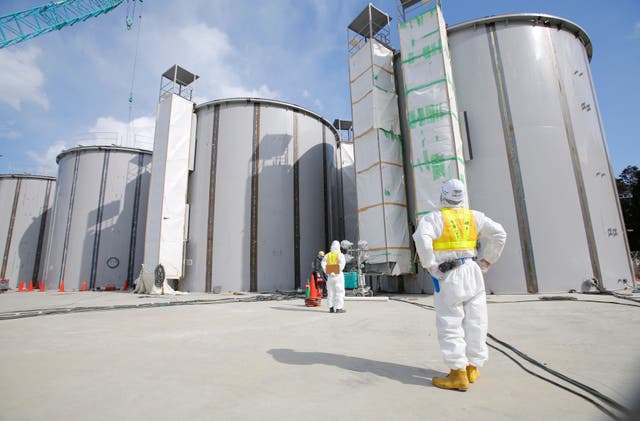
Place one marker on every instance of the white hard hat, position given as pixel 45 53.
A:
pixel 453 192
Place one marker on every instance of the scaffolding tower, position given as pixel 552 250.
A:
pixel 382 206
pixel 433 138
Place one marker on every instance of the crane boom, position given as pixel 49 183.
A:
pixel 30 23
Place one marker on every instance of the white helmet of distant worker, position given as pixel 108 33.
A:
pixel 453 193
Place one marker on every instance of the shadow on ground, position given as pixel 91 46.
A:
pixel 402 373
pixel 301 307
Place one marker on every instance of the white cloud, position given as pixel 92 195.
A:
pixel 22 80
pixel 237 51
pixel 11 134
pixel 231 91
pixel 204 44
pixel 109 130
pixel 7 131
pixel 45 163
pixel 317 103
pixel 206 51
pixel 106 131
pixel 635 34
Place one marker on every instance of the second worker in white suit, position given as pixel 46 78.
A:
pixel 446 243
pixel 333 263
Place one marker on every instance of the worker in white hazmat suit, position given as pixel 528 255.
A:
pixel 333 264
pixel 446 244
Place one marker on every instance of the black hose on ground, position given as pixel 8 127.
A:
pixel 21 314
pixel 555 373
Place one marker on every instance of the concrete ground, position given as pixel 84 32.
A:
pixel 113 355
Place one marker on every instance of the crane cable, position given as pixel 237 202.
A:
pixel 130 13
pixel 129 22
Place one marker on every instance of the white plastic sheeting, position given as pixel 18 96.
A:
pixel 381 199
pixel 146 284
pixel 349 193
pixel 167 209
pixel 434 140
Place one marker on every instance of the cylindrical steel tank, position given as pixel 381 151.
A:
pixel 261 196
pixel 97 232
pixel 25 214
pixel 539 163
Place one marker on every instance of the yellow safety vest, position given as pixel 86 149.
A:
pixel 459 230
pixel 333 262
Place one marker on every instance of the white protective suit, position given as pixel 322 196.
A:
pixel 335 281
pixel 461 306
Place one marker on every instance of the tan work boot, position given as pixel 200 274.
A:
pixel 457 379
pixel 472 373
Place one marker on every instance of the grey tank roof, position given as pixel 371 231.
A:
pixel 534 19
pixel 269 102
pixel 100 148
pixel 31 176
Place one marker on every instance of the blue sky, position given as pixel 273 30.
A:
pixel 72 86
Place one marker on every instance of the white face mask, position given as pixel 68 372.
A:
pixel 450 204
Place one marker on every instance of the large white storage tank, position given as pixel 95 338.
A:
pixel 25 213
pixel 539 161
pixel 262 196
pixel 99 217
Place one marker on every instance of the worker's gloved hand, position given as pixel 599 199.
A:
pixel 435 272
pixel 484 265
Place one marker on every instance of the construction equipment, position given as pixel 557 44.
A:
pixel 30 23
pixel 359 252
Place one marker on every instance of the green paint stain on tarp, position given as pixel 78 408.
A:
pixel 437 31
pixel 418 20
pixel 426 85
pixel 427 51
pixel 388 134
pixel 429 114
pixel 435 164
